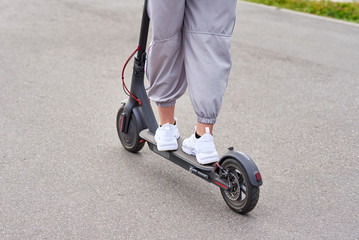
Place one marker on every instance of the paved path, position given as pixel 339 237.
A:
pixel 292 104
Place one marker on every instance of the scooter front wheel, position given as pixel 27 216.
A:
pixel 131 140
pixel 242 196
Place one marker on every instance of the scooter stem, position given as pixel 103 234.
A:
pixel 144 32
pixel 137 84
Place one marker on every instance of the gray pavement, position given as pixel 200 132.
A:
pixel 292 104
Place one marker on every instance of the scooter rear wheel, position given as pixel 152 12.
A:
pixel 242 197
pixel 131 140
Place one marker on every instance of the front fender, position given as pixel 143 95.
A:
pixel 137 111
pixel 246 162
pixel 131 108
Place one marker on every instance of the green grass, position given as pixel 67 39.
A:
pixel 340 10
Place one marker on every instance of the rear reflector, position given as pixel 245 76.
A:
pixel 258 176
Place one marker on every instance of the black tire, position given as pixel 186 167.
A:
pixel 244 197
pixel 131 140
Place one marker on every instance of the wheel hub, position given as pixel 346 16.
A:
pixel 235 192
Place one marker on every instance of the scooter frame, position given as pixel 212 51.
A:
pixel 137 108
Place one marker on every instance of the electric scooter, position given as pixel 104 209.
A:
pixel 235 173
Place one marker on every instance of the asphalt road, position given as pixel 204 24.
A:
pixel 292 104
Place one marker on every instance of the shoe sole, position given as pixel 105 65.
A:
pixel 202 158
pixel 207 159
pixel 172 146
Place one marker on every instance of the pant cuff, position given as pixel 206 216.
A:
pixel 206 120
pixel 166 104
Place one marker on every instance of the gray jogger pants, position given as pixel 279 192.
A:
pixel 190 45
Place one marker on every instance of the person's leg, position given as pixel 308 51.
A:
pixel 201 128
pixel 208 26
pixel 164 67
pixel 207 30
pixel 167 115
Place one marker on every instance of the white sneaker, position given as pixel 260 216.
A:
pixel 166 137
pixel 203 148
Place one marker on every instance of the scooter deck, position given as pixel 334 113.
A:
pixel 176 155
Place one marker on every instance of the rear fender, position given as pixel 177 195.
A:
pixel 247 163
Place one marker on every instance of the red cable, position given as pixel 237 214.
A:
pixel 123 76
